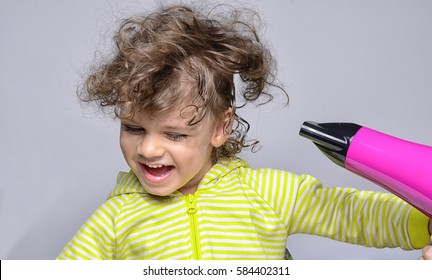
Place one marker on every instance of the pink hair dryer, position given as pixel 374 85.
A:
pixel 401 167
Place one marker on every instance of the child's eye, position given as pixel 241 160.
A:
pixel 132 129
pixel 175 136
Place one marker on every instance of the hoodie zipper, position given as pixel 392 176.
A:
pixel 191 210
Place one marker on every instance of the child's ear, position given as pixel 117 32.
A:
pixel 223 128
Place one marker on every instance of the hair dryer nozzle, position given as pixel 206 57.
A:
pixel 333 139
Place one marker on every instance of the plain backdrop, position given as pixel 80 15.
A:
pixel 367 62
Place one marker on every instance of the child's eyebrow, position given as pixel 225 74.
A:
pixel 131 122
pixel 179 127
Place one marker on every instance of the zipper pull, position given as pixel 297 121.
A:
pixel 191 204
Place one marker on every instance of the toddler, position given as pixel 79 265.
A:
pixel 187 195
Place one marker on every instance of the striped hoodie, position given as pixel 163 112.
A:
pixel 241 213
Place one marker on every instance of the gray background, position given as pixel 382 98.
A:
pixel 367 62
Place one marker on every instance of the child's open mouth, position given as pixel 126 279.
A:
pixel 156 173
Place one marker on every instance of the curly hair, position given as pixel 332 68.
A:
pixel 156 53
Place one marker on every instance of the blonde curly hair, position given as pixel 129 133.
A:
pixel 155 51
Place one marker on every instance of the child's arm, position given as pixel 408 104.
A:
pixel 362 217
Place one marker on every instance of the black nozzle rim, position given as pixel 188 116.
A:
pixel 333 139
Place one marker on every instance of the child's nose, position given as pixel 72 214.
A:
pixel 151 147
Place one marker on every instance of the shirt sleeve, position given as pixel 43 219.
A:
pixel 368 218
pixel 96 239
pixel 417 222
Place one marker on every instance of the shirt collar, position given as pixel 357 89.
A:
pixel 128 183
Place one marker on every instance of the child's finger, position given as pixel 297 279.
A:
pixel 427 253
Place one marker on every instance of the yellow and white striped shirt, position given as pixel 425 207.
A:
pixel 241 213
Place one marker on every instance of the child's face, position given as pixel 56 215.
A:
pixel 167 154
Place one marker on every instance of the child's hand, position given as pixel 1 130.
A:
pixel 427 250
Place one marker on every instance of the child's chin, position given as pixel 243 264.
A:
pixel 159 191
